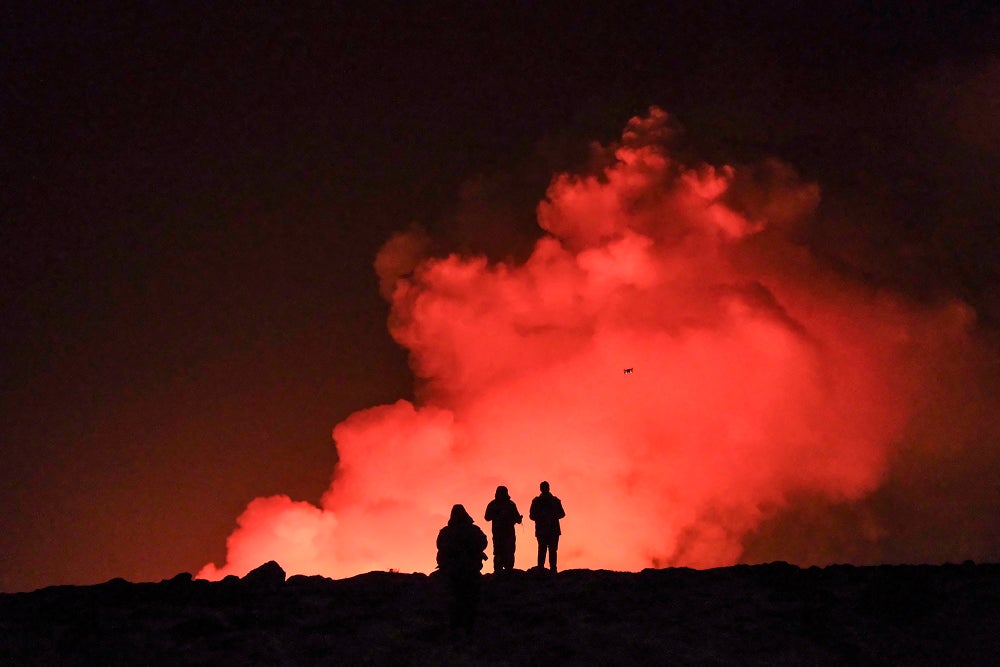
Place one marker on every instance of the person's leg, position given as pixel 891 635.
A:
pixel 497 552
pixel 508 553
pixel 471 601
pixel 455 601
pixel 541 552
pixel 553 549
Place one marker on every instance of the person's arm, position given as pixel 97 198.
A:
pixel 441 557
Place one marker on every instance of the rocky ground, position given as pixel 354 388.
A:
pixel 763 614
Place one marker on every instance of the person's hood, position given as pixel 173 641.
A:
pixel 459 515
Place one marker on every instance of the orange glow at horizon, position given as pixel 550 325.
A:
pixel 758 373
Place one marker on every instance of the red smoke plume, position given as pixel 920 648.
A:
pixel 759 374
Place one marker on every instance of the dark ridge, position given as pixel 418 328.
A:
pixel 761 614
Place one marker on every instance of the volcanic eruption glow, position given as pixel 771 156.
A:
pixel 758 373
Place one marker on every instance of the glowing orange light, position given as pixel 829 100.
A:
pixel 763 374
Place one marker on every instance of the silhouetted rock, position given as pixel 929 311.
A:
pixel 180 579
pixel 269 576
pixel 748 615
pixel 306 581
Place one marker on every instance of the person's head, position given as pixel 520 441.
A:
pixel 502 493
pixel 544 486
pixel 459 515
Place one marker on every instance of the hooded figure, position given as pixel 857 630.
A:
pixel 503 513
pixel 460 555
pixel 546 510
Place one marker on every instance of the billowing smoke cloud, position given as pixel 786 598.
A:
pixel 760 376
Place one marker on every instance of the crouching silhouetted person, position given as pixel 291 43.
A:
pixel 502 512
pixel 461 548
pixel 546 510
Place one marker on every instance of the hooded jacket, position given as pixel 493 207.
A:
pixel 461 545
pixel 503 513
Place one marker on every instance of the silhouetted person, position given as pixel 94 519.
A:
pixel 503 513
pixel 546 510
pixel 461 547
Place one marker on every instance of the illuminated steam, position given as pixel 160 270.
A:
pixel 759 375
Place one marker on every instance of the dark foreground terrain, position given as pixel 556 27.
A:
pixel 763 614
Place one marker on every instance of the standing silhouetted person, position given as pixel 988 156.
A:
pixel 461 547
pixel 503 513
pixel 546 510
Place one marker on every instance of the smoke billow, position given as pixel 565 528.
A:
pixel 762 379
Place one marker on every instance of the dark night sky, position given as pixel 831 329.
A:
pixel 192 200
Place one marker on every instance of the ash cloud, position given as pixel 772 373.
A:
pixel 780 405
